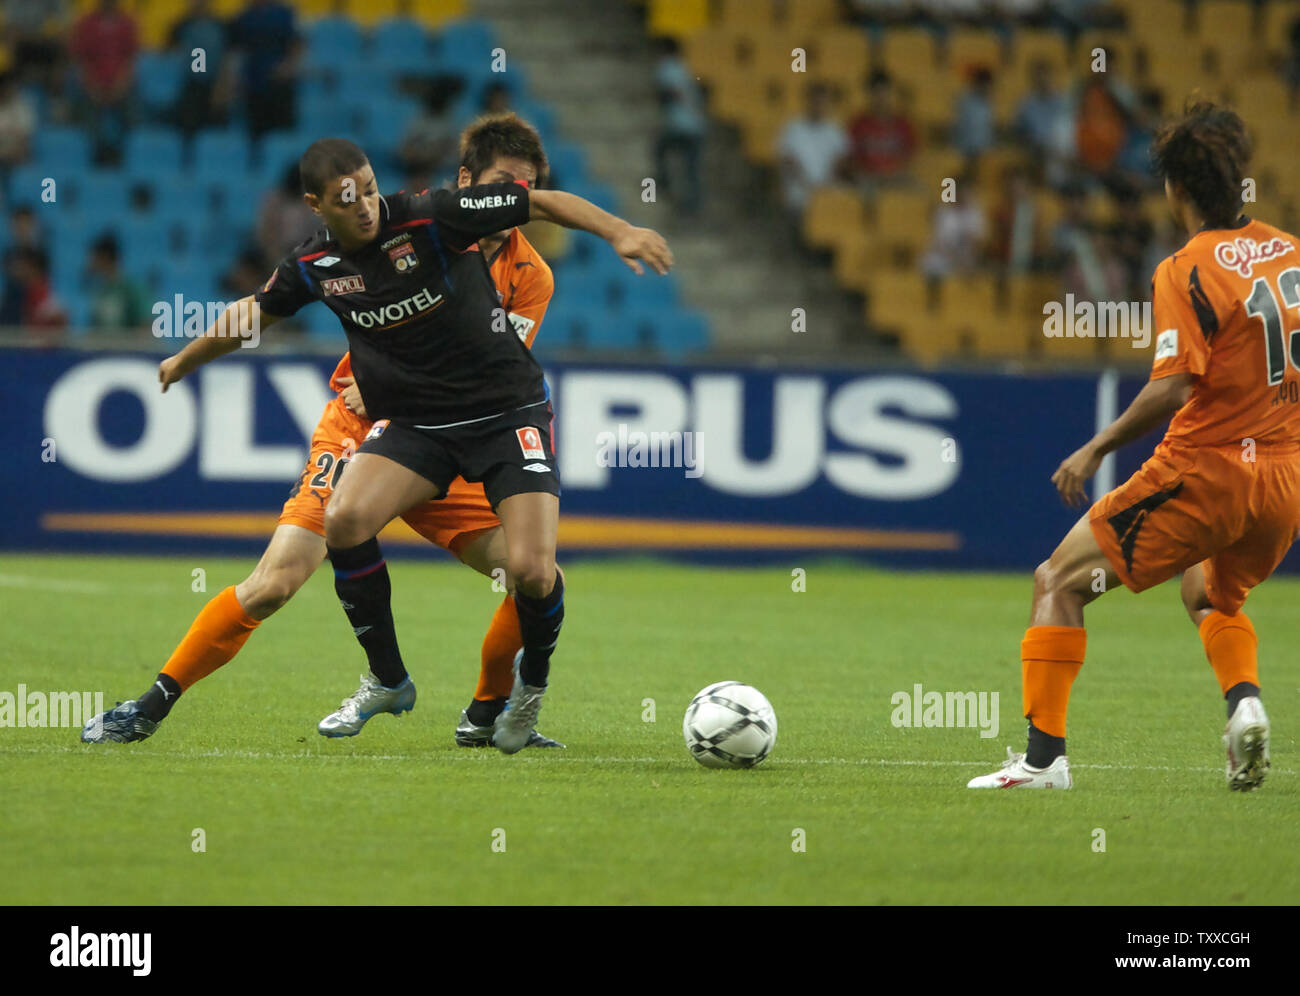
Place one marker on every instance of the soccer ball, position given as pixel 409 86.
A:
pixel 729 725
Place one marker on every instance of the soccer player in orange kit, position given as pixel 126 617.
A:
pixel 496 149
pixel 1219 501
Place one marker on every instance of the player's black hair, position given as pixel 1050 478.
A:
pixel 327 158
pixel 507 134
pixel 1207 151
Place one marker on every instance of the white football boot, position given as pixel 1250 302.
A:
pixel 1015 773
pixel 1246 737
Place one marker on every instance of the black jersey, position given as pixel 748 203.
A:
pixel 419 309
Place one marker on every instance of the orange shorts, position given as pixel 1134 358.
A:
pixel 448 522
pixel 1209 505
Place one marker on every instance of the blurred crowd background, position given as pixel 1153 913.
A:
pixel 921 176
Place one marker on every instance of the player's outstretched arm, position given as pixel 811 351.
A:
pixel 630 242
pixel 241 322
pixel 1157 400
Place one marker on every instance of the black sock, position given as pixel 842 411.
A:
pixel 361 582
pixel 1241 690
pixel 162 695
pixel 484 712
pixel 539 622
pixel 1043 748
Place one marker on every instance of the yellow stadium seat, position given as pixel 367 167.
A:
pixel 677 18
pixel 859 260
pixel 831 213
pixel 967 47
pixel 907 53
pixel 808 12
pixel 1150 19
pixel 1032 45
pixel 746 13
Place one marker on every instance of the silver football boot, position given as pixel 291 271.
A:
pixel 470 735
pixel 518 720
pixel 369 700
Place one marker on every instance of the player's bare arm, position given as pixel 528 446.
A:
pixel 630 242
pixel 232 328
pixel 1155 403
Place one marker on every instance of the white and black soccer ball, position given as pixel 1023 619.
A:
pixel 729 725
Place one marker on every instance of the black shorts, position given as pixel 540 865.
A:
pixel 511 454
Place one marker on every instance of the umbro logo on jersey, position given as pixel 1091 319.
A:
pixel 343 285
pixel 537 468
pixel 326 261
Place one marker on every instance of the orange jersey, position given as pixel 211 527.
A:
pixel 1226 309
pixel 524 284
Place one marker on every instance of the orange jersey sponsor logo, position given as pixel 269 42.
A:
pixel 1241 255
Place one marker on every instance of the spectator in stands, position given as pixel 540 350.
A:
pixel 813 151
pixel 1101 126
pixel 683 124
pixel 199 30
pixel 496 98
pixel 17 123
pixel 1291 67
pixel 1043 114
pixel 24 233
pixel 248 274
pixel 957 240
pixel 284 219
pixel 1130 234
pixel 1133 168
pixel 34 29
pixel 430 147
pixel 974 126
pixel 265 36
pixel 38 308
pixel 103 47
pixel 1090 266
pixel 116 301
pixel 882 140
pixel 1016 242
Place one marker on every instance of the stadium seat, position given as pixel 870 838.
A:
pixel 676 18
pixel 69 148
pixel 907 52
pixel 832 215
pixel 150 149
pixel 402 45
pixel 102 194
pixel 218 151
pixel 679 332
pixel 333 39
pixel 27 183
pixel 159 76
pixel 472 38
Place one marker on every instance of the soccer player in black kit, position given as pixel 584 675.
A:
pixel 452 389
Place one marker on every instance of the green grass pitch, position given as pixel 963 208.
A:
pixel 624 815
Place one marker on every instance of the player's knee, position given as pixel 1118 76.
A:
pixel 344 527
pixel 1046 578
pixel 266 591
pixel 533 573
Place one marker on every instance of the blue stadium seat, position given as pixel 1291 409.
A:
pixel 275 151
pixel 159 76
pixel 387 122
pixel 607 329
pixel 333 39
pixel 215 151
pixel 563 327
pixel 66 148
pixel 627 292
pixel 402 45
pixel 679 331
pixel 320 323
pixel 102 194
pixel 460 37
pixel 26 184
pixel 568 164
pixel 148 150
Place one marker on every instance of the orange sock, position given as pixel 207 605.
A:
pixel 1230 645
pixel 1050 658
pixel 215 636
pixel 500 644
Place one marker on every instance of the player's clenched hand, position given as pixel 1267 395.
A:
pixel 1074 472
pixel 643 244
pixel 352 396
pixel 170 371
